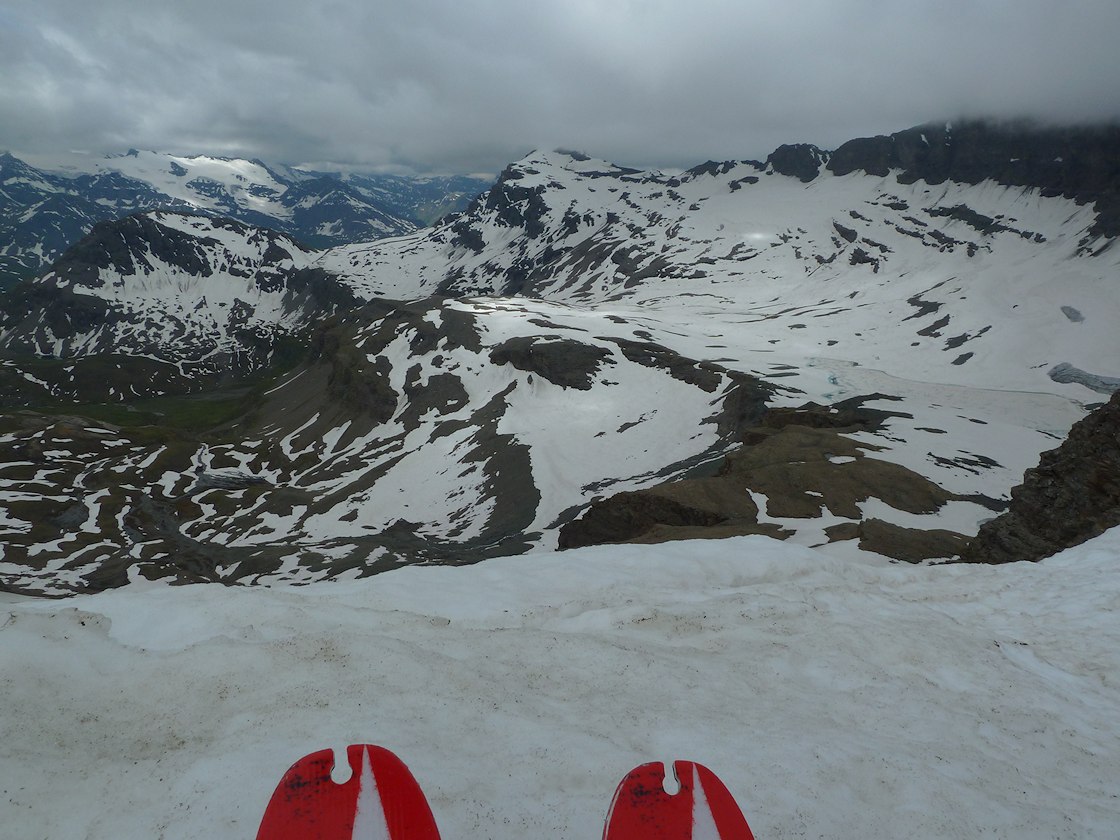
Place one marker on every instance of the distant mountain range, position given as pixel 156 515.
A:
pixel 861 349
pixel 45 210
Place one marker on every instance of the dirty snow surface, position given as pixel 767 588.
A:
pixel 835 698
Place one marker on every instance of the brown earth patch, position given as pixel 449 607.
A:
pixel 804 471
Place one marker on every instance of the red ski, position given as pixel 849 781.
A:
pixel 380 801
pixel 702 809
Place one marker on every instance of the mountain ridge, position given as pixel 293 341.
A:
pixel 582 330
pixel 44 210
pixel 204 295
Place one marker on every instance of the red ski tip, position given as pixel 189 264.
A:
pixel 702 809
pixel 380 801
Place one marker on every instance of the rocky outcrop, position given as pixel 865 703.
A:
pixel 562 361
pixel 801 466
pixel 912 544
pixel 515 205
pixel 1072 496
pixel 690 508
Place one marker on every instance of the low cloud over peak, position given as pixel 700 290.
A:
pixel 441 86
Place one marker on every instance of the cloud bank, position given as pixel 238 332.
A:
pixel 454 86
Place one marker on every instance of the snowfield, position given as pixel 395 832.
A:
pixel 835 698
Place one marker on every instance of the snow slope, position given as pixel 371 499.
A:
pixel 980 285
pixel 835 698
pixel 965 301
pixel 203 181
pixel 441 431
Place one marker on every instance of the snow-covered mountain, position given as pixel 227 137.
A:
pixel 319 208
pixel 208 297
pixel 45 209
pixel 949 281
pixel 42 214
pixel 850 350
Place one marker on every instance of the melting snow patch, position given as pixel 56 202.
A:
pixel 915 686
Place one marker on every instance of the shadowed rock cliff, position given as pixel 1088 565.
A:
pixel 1072 496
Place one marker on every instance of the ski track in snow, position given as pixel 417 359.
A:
pixel 835 698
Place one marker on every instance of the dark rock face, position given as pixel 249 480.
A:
pixel 64 311
pixel 703 375
pixel 909 544
pixel 517 206
pixel 465 236
pixel 1072 496
pixel 1078 163
pixel 358 382
pixel 121 244
pixel 709 167
pixel 874 155
pixel 799 160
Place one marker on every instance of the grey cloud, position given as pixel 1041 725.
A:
pixel 468 86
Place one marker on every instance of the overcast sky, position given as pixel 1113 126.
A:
pixel 468 85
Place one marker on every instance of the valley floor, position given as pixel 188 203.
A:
pixel 836 698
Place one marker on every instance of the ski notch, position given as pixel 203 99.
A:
pixel 380 801
pixel 702 809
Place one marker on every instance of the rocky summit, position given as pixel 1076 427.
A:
pixel 860 349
